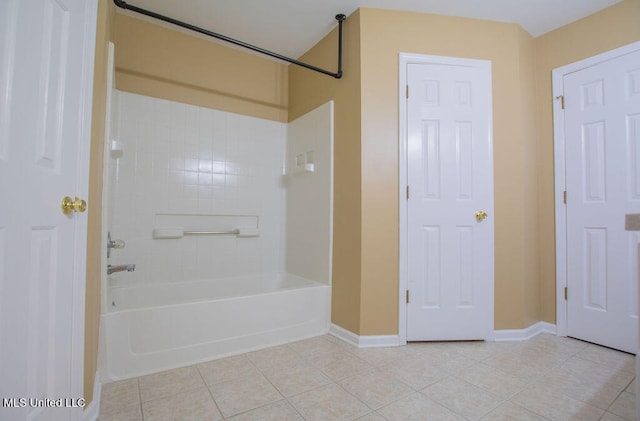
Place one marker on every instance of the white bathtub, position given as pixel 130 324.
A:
pixel 157 327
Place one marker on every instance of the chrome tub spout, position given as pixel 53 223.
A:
pixel 120 268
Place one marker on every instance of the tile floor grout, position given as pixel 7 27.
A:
pixel 208 391
pixel 621 393
pixel 545 378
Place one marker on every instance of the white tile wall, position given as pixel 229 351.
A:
pixel 185 159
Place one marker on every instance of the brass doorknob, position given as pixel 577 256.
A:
pixel 69 205
pixel 481 215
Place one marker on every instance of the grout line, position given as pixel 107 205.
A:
pixel 208 390
pixel 140 398
pixel 294 408
pixel 618 397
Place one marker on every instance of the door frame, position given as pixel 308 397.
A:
pixel 404 60
pixel 81 226
pixel 81 221
pixel 558 75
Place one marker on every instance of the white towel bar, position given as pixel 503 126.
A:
pixel 166 233
pixel 232 232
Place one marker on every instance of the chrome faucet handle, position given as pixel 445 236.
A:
pixel 113 244
pixel 117 244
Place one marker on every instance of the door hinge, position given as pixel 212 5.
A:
pixel 566 294
pixel 408 193
pixel 407 92
pixel 561 98
pixel 407 296
pixel 564 197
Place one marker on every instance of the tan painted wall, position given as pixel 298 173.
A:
pixel 384 35
pixel 365 261
pixel 163 63
pixel 365 278
pixel 523 147
pixel 613 27
pixel 530 212
pixel 308 90
pixel 94 229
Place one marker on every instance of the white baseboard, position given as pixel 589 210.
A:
pixel 372 341
pixel 92 411
pixel 524 334
pixel 393 340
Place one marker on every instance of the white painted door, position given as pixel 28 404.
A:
pixel 602 141
pixel 46 74
pixel 450 176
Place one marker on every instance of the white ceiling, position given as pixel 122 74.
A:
pixel 291 27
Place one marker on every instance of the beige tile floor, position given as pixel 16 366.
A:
pixel 323 378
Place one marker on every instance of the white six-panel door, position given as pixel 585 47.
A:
pixel 46 77
pixel 450 179
pixel 602 146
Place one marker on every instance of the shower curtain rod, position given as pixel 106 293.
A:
pixel 340 18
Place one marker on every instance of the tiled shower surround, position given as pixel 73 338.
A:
pixel 186 160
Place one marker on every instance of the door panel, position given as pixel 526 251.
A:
pixel 602 106
pixel 44 143
pixel 449 166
